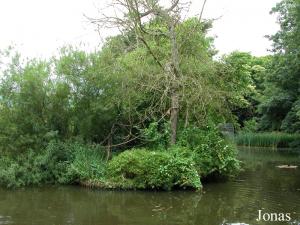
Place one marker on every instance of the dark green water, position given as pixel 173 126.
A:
pixel 260 186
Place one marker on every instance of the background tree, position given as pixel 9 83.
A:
pixel 243 77
pixel 281 103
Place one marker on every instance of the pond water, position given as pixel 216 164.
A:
pixel 261 186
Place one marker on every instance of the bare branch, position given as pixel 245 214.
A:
pixel 202 10
pixel 173 6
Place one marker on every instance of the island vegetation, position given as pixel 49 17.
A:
pixel 143 111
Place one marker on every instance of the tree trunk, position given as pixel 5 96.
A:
pixel 174 117
pixel 174 83
pixel 186 123
pixel 108 148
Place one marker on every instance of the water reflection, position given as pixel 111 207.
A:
pixel 260 186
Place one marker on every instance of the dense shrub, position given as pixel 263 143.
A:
pixel 250 125
pixel 212 153
pixel 143 169
pixel 157 135
pixel 58 163
pixel 199 153
pixel 54 161
pixel 19 172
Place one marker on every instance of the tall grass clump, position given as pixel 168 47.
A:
pixel 87 164
pixel 274 140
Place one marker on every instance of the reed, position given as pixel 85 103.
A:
pixel 274 139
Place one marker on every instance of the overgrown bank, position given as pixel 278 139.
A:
pixel 181 166
pixel 141 122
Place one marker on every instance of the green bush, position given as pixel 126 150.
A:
pixel 54 161
pixel 199 153
pixel 157 135
pixel 18 172
pixel 250 125
pixel 212 153
pixel 143 169
pixel 58 163
pixel 71 162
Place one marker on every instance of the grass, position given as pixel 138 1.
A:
pixel 274 140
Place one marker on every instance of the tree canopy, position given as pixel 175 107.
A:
pixel 281 103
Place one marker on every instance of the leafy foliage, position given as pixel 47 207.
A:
pixel 60 163
pixel 119 97
pixel 213 155
pixel 157 135
pixel 141 169
pixel 18 172
pixel 280 104
pixel 250 125
pixel 243 77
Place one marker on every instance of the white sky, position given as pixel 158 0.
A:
pixel 40 27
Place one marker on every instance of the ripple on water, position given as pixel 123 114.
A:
pixel 5 220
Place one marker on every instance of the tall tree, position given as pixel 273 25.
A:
pixel 153 24
pixel 244 76
pixel 281 103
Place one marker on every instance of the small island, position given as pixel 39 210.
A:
pixel 155 126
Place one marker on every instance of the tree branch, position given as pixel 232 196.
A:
pixel 202 10
pixel 151 52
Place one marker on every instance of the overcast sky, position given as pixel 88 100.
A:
pixel 40 27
